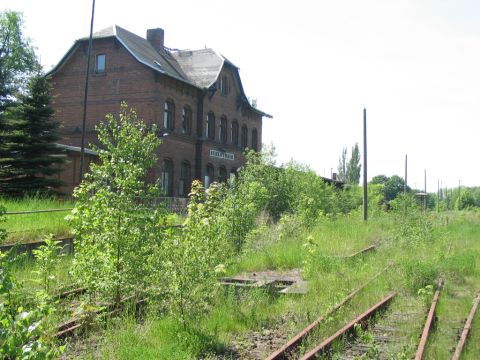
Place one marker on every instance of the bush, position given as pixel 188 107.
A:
pixel 115 220
pixel 22 330
pixel 419 274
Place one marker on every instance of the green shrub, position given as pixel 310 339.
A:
pixel 22 327
pixel 418 274
pixel 116 223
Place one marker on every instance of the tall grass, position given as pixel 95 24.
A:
pixel 26 227
pixel 444 248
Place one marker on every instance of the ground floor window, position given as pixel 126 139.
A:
pixel 210 175
pixel 166 177
pixel 222 174
pixel 185 179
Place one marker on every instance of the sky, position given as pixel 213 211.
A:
pixel 414 65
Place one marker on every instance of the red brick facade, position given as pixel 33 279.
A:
pixel 147 90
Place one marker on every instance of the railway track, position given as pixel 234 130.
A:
pixel 466 329
pixel 361 320
pixel 70 327
pixel 286 351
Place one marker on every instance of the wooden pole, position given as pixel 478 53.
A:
pixel 438 196
pixel 85 95
pixel 405 189
pixel 365 188
pixel 425 190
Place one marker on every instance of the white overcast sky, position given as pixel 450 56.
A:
pixel 314 65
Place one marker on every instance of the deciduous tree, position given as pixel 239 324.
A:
pixel 17 56
pixel 354 166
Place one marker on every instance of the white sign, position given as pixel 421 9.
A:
pixel 222 155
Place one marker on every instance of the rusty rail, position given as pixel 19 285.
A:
pixel 428 322
pixel 283 352
pixel 65 294
pixel 325 345
pixel 36 211
pixel 466 329
pixel 68 327
pixel 363 251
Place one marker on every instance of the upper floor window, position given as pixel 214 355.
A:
pixel 168 114
pixel 244 136
pixel 235 132
pixel 255 139
pixel 210 126
pixel 223 130
pixel 224 85
pixel 186 120
pixel 100 64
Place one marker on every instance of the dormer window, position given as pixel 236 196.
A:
pixel 224 85
pixel 100 64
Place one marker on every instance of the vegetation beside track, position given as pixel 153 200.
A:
pixel 437 245
pixel 31 227
pixel 238 322
pixel 268 218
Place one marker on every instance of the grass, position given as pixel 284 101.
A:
pixel 31 227
pixel 420 258
pixel 423 249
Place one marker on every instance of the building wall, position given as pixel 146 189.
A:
pixel 146 90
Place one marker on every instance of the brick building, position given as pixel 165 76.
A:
pixel 195 97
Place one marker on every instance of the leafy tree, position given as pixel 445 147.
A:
pixel 342 166
pixel 47 257
pixel 29 156
pixel 465 200
pixel 354 166
pixel 17 56
pixel 349 169
pixel 191 260
pixel 392 186
pixel 379 179
pixel 116 225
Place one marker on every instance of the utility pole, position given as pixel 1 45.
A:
pixel 425 191
pixel 438 196
pixel 365 189
pixel 85 95
pixel 405 189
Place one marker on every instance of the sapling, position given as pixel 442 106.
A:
pixel 47 257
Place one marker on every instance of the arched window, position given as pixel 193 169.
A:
pixel 210 126
pixel 209 176
pixel 185 179
pixel 223 129
pixel 244 136
pixel 186 120
pixel 235 132
pixel 222 174
pixel 255 139
pixel 169 115
pixel 167 177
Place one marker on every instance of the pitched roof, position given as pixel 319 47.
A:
pixel 199 68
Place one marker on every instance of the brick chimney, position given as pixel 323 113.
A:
pixel 155 37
